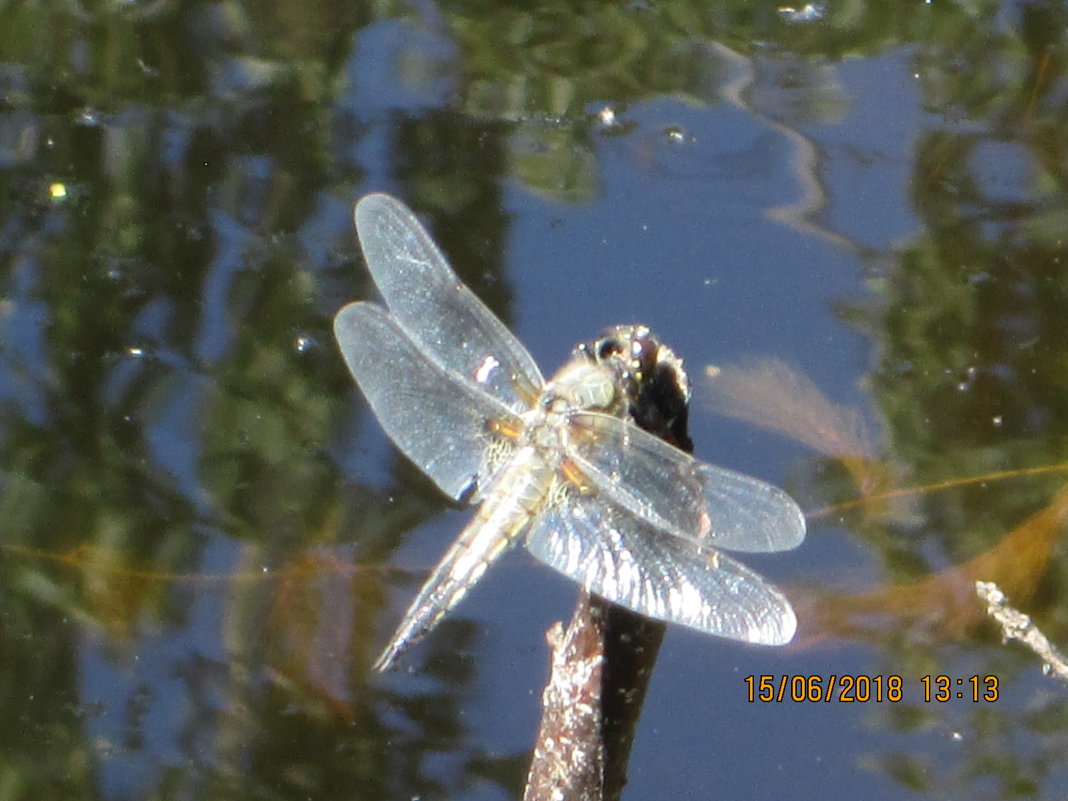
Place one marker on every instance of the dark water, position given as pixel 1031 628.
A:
pixel 205 538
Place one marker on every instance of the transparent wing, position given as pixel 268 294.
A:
pixel 437 311
pixel 628 561
pixel 673 491
pixel 444 425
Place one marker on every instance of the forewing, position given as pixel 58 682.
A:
pixel 444 425
pixel 628 561
pixel 438 311
pixel 673 491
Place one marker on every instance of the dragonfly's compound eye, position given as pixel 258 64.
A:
pixel 607 348
pixel 644 353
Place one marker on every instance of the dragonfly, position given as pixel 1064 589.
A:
pixel 557 464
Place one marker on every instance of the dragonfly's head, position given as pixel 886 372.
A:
pixel 650 376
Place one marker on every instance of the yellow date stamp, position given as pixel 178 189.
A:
pixel 863 689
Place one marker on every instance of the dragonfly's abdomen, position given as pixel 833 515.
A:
pixel 516 494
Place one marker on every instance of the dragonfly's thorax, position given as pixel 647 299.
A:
pixel 578 386
pixel 583 386
pixel 650 379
